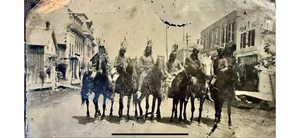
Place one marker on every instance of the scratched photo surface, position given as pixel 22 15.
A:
pixel 150 68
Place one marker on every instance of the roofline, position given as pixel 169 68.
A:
pixel 32 44
pixel 80 14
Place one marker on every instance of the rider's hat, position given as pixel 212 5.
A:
pixel 197 50
pixel 149 43
pixel 124 45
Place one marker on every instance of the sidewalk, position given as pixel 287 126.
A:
pixel 66 84
pixel 36 86
pixel 259 95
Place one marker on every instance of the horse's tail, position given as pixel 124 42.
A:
pixel 84 96
pixel 83 100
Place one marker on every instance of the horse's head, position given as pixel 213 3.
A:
pixel 160 62
pixel 206 66
pixel 131 67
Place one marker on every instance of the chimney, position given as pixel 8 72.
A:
pixel 47 25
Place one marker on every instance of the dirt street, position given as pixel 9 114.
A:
pixel 60 114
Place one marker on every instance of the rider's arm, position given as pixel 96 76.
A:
pixel 166 70
pixel 181 68
pixel 116 63
pixel 187 61
pixel 225 65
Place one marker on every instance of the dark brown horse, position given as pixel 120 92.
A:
pixel 98 83
pixel 223 90
pixel 184 88
pixel 152 85
pixel 126 85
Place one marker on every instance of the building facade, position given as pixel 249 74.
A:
pixel 253 27
pixel 220 34
pixel 75 47
pixel 244 32
pixel 41 48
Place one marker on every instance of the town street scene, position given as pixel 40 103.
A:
pixel 150 68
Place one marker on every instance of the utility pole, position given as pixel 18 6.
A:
pixel 167 39
pixel 187 47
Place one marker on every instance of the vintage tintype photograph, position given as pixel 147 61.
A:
pixel 150 68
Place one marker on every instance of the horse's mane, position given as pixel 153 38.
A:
pixel 131 68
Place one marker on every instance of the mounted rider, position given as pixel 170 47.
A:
pixel 173 68
pixel 121 62
pixel 224 69
pixel 192 67
pixel 146 63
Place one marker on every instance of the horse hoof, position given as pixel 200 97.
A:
pixel 88 116
pixel 158 117
pixel 128 117
pixel 110 114
pixel 191 119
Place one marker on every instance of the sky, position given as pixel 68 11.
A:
pixel 140 20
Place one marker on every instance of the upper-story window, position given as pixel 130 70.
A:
pixel 233 31
pixel 216 36
pixel 251 38
pixel 225 34
pixel 243 40
pixel 229 33
pixel 212 39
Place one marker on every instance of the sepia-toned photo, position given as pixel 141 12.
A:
pixel 150 68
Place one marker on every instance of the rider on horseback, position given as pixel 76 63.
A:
pixel 221 66
pixel 192 66
pixel 174 67
pixel 146 63
pixel 120 64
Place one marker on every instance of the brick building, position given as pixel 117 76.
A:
pixel 244 32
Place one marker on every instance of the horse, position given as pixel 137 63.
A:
pixel 99 84
pixel 196 87
pixel 199 86
pixel 152 86
pixel 126 85
pixel 223 90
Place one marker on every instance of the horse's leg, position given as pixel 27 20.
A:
pixel 229 109
pixel 216 110
pixel 147 105
pixel 158 108
pixel 201 108
pixel 184 109
pixel 173 109
pixel 180 110
pixel 95 100
pixel 104 105
pixel 139 101
pixel 176 107
pixel 153 107
pixel 220 110
pixel 87 106
pixel 128 106
pixel 135 96
pixel 192 108
pixel 121 104
pixel 111 107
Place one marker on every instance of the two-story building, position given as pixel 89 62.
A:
pixel 222 33
pixel 41 47
pixel 243 31
pixel 75 43
pixel 253 28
